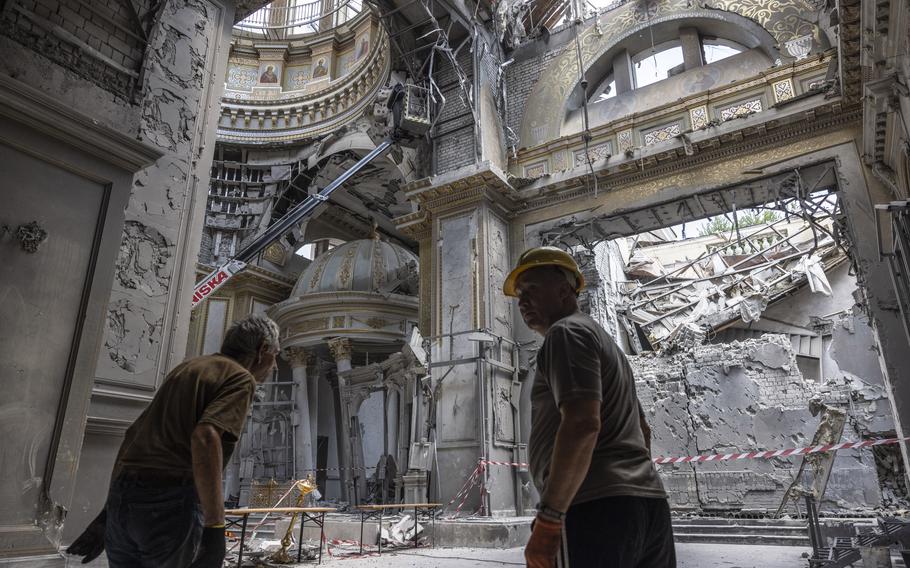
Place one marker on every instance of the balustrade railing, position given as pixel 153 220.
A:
pixel 298 17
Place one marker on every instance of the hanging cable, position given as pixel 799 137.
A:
pixel 583 81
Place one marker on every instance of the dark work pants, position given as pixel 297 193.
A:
pixel 152 527
pixel 620 532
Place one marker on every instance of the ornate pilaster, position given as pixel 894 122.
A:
pixel 463 230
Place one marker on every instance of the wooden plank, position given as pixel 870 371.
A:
pixel 242 512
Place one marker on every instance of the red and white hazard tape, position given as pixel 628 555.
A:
pixel 766 454
pixel 763 454
pixel 476 475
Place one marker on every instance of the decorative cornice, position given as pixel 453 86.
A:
pixel 103 426
pixel 674 160
pixel 675 109
pixel 27 105
pixel 463 186
pixel 417 225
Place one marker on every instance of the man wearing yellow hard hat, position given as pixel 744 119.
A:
pixel 602 504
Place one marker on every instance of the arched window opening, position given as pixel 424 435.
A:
pixel 657 63
pixel 715 49
pixel 608 90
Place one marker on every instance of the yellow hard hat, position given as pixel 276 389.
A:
pixel 542 256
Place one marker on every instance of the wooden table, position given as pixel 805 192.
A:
pixel 375 511
pixel 315 514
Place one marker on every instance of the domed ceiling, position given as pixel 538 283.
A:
pixel 367 265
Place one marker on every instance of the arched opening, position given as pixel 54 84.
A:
pixel 657 63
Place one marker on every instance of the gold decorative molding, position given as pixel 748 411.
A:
pixel 783 90
pixel 309 325
pixel 297 356
pixel 276 254
pixel 347 266
pixel 341 348
pixel 725 168
pixel 698 117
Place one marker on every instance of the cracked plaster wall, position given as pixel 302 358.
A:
pixel 748 395
pixel 172 116
pixel 149 310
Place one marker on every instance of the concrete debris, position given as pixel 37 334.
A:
pixel 814 270
pixel 730 279
pixel 745 395
pixel 402 532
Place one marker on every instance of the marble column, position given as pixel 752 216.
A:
pixel 341 351
pixel 304 448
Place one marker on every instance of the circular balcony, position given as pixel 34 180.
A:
pixel 287 91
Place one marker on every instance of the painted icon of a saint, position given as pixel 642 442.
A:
pixel 268 76
pixel 320 70
pixel 362 48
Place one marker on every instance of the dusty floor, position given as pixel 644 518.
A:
pixel 689 556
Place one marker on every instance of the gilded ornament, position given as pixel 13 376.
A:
pixel 341 348
pixel 378 268
pixel 783 90
pixel 275 254
pixel 376 323
pixel 310 325
pixel 347 266
pixel 317 272
pixel 698 117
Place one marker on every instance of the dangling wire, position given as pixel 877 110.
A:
pixel 586 137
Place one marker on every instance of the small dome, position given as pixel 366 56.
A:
pixel 367 265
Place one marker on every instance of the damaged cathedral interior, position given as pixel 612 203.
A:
pixel 732 178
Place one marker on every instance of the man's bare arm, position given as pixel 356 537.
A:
pixel 207 462
pixel 575 441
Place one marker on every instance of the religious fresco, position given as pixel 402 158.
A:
pixel 786 22
pixel 296 77
pixel 321 69
pixel 343 63
pixel 269 73
pixel 241 77
pixel 363 47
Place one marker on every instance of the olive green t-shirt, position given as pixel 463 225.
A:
pixel 213 389
pixel 579 360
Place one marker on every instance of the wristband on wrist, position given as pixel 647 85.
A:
pixel 215 526
pixel 551 513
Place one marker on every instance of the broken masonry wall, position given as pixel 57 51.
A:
pixel 602 269
pixel 740 396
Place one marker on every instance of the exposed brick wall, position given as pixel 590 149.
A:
pixel 454 133
pixel 521 77
pixel 99 40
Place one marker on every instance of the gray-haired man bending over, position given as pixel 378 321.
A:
pixel 165 506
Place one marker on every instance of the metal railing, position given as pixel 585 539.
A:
pixel 298 17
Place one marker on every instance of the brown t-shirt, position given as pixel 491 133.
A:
pixel 579 360
pixel 214 389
